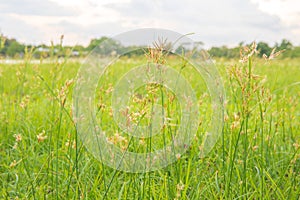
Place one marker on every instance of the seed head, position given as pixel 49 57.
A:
pixel 41 137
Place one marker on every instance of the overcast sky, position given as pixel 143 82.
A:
pixel 215 22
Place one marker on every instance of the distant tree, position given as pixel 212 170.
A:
pixel 94 43
pixel 2 41
pixel 180 50
pixel 13 48
pixel 234 52
pixel 2 45
pixel 131 51
pixel 241 43
pixel 263 48
pixel 295 53
pixel 105 46
pixel 224 51
pixel 78 48
pixel 287 47
pixel 218 51
pixel 284 45
pixel 108 46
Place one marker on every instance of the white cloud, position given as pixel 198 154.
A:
pixel 35 7
pixel 214 22
pixel 287 10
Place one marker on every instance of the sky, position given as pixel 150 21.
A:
pixel 214 22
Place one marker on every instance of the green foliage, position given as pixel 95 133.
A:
pixel 292 53
pixel 284 45
pixel 263 49
pixel 107 45
pixel 224 52
pixel 12 48
pixel 2 42
pixel 257 156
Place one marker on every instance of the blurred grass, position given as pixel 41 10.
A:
pixel 257 157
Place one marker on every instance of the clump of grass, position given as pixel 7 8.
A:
pixel 257 158
pixel 251 108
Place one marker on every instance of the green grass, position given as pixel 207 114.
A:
pixel 257 157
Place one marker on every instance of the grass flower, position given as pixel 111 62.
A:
pixel 41 137
pixel 25 101
pixel 179 187
pixel 13 164
pixel 254 148
pixel 18 137
pixel 70 143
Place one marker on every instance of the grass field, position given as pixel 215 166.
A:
pixel 256 157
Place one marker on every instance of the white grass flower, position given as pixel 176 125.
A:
pixel 255 148
pixel 41 137
pixel 18 137
pixel 180 186
pixel 15 145
pixel 296 145
pixel 70 143
pixel 13 164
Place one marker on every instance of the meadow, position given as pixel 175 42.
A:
pixel 256 157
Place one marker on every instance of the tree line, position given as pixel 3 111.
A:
pixel 11 48
pixel 289 50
